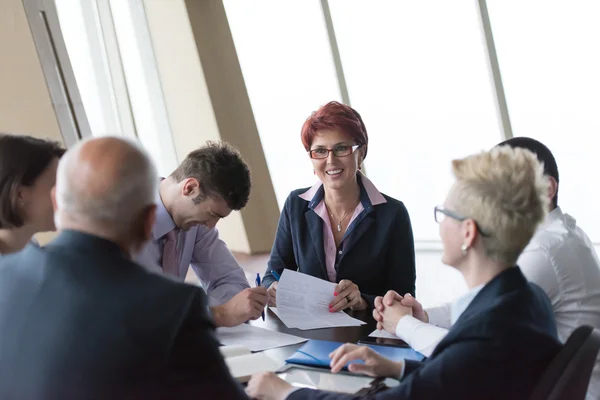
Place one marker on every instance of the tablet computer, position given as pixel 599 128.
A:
pixel 379 341
pixel 341 382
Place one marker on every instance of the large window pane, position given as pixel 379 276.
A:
pixel 82 33
pixel 550 64
pixel 143 83
pixel 288 69
pixel 418 73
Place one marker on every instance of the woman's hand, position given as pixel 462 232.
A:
pixel 268 386
pixel 272 294
pixel 374 364
pixel 347 295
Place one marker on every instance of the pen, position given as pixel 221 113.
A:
pixel 275 275
pixel 258 285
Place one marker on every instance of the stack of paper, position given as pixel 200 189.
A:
pixel 255 338
pixel 242 364
pixel 303 303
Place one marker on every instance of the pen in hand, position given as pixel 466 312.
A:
pixel 258 285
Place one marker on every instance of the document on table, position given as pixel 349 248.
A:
pixel 382 334
pixel 255 338
pixel 303 303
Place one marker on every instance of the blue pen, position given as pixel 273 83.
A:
pixel 258 285
pixel 275 275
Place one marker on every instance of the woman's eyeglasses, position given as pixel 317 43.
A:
pixel 440 213
pixel 342 150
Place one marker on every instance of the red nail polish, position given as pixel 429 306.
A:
pixel 335 293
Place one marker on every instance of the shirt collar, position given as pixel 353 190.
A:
pixel 315 194
pixel 461 304
pixel 164 223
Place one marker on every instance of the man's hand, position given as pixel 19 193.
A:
pixel 246 305
pixel 272 294
pixel 268 386
pixel 374 364
pixel 347 295
pixel 417 309
pixel 388 311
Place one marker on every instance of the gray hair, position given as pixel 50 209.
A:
pixel 131 186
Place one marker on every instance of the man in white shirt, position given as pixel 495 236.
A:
pixel 560 258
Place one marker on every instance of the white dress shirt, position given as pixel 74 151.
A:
pixel 561 259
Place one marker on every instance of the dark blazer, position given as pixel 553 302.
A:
pixel 79 320
pixel 377 252
pixel 497 349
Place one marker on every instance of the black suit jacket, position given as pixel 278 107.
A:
pixel 377 252
pixel 498 348
pixel 78 319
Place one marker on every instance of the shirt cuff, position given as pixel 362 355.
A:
pixel 439 316
pixel 406 326
pixel 402 369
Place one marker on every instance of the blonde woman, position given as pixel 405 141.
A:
pixel 503 332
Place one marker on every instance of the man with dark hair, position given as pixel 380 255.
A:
pixel 544 155
pixel 210 183
pixel 560 258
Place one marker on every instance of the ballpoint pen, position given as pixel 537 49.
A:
pixel 258 285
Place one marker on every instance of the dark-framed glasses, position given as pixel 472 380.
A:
pixel 440 213
pixel 340 150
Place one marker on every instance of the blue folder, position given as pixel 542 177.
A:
pixel 315 353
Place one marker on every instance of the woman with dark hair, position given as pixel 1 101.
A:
pixel 27 175
pixel 343 229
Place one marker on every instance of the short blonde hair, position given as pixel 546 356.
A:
pixel 505 191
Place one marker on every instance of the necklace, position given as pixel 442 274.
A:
pixel 339 225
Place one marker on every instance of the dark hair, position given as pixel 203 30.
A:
pixel 544 155
pixel 221 171
pixel 335 115
pixel 22 161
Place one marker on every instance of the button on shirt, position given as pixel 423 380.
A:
pixel 561 259
pixel 216 268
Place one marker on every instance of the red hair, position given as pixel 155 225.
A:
pixel 334 115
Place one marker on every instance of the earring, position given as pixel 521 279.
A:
pixel 463 249
pixel 314 172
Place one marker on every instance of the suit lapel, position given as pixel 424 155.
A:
pixel 315 226
pixel 358 228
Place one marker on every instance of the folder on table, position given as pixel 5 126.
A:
pixel 315 353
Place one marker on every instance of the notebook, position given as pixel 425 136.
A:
pixel 315 353
pixel 243 364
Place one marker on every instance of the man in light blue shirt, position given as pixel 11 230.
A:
pixel 210 183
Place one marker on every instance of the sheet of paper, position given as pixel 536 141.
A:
pixel 303 303
pixel 382 334
pixel 255 338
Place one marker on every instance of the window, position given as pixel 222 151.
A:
pixel 112 58
pixel 82 33
pixel 418 73
pixel 547 52
pixel 286 61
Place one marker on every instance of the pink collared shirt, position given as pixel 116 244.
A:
pixel 375 197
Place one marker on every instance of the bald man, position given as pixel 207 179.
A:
pixel 79 319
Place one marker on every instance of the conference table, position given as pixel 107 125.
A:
pixel 349 334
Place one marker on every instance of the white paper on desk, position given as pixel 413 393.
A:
pixel 382 334
pixel 303 303
pixel 255 338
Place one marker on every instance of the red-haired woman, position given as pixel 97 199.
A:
pixel 343 229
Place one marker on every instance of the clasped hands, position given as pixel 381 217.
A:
pixel 390 308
